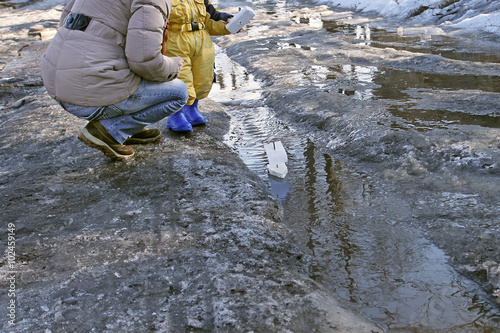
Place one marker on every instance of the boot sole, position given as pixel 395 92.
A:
pixel 94 142
pixel 195 121
pixel 198 122
pixel 176 129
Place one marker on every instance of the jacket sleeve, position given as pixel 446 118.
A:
pixel 144 42
pixel 215 14
pixel 215 23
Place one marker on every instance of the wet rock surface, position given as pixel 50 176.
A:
pixel 181 238
pixel 420 120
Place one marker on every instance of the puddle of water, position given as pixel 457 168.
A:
pixel 234 84
pixel 385 269
pixel 391 273
pixel 398 85
pixel 276 8
pixel 339 27
pixel 428 44
pixel 312 21
pixel 393 81
pixel 395 85
pixel 425 40
pixel 425 120
pixel 253 125
pixel 285 45
pixel 442 50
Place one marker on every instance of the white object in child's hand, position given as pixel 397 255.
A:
pixel 240 19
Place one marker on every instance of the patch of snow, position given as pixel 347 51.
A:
pixel 482 15
pixel 486 22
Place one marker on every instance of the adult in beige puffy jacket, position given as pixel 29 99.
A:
pixel 105 65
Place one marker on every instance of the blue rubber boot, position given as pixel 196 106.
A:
pixel 193 115
pixel 178 122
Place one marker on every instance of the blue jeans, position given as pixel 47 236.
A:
pixel 151 102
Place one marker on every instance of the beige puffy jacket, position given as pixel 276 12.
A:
pixel 105 63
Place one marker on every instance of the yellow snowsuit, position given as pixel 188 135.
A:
pixel 194 46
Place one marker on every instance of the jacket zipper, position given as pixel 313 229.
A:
pixel 194 36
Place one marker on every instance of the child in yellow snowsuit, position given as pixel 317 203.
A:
pixel 191 24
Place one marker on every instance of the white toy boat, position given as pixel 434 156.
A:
pixel 277 158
